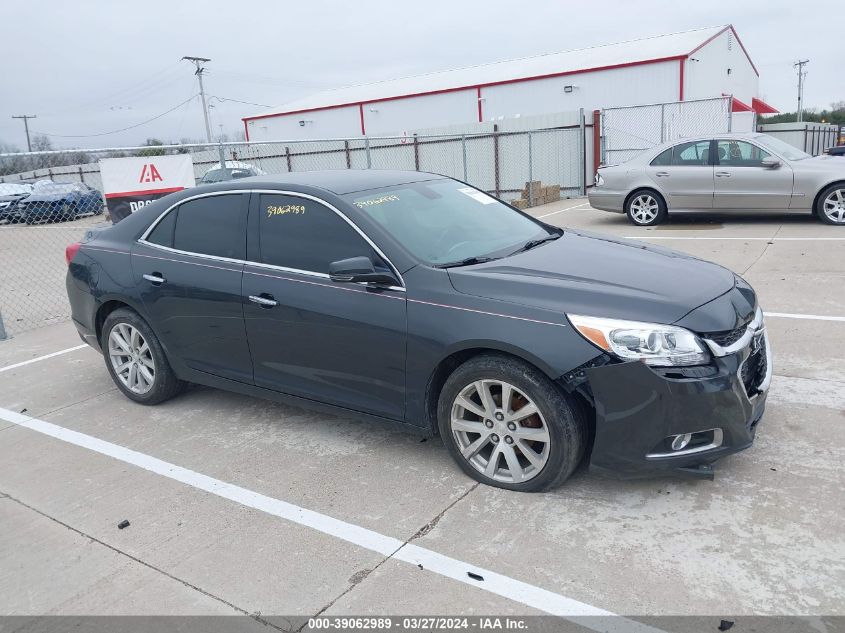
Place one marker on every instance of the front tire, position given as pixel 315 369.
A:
pixel 830 208
pixel 507 425
pixel 645 207
pixel 135 359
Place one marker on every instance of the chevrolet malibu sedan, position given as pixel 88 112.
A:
pixel 417 300
pixel 731 172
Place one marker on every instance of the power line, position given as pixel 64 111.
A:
pixel 26 118
pixel 260 105
pixel 131 127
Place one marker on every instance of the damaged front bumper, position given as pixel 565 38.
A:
pixel 651 420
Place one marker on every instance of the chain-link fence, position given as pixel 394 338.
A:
pixel 48 199
pixel 627 131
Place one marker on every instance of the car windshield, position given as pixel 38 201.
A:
pixel 446 222
pixel 230 173
pixel 53 187
pixel 780 147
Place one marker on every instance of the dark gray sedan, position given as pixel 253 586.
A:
pixel 418 300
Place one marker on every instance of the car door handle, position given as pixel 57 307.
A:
pixel 154 278
pixel 723 174
pixel 662 174
pixel 265 301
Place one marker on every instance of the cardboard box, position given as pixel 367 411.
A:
pixel 535 185
pixel 520 203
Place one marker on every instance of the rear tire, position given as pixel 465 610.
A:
pixel 485 419
pixel 135 359
pixel 830 207
pixel 645 207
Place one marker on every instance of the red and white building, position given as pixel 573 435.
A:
pixel 698 64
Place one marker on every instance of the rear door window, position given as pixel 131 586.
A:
pixel 740 154
pixel 162 234
pixel 213 225
pixel 696 153
pixel 663 158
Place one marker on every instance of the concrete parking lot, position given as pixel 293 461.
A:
pixel 242 506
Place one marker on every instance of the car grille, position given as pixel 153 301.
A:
pixel 726 339
pixel 754 368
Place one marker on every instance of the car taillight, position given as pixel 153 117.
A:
pixel 70 252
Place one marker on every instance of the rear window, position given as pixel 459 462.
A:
pixel 214 225
pixel 162 234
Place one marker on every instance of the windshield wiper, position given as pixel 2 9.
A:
pixel 469 261
pixel 532 243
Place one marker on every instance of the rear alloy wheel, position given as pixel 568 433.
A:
pixel 831 205
pixel 136 360
pixel 508 425
pixel 645 208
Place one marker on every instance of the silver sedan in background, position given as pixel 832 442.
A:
pixel 726 172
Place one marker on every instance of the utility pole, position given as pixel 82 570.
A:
pixel 198 62
pixel 26 118
pixel 801 74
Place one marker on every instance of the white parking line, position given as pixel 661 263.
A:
pixel 40 358
pixel 810 317
pixel 510 588
pixel 580 206
pixel 741 239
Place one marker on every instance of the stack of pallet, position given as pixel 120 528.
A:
pixel 537 193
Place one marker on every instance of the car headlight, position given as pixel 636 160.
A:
pixel 599 180
pixel 653 343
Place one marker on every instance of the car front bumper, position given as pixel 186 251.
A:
pixel 639 410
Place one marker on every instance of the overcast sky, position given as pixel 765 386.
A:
pixel 88 67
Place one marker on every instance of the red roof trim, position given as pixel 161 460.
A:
pixel 739 41
pixel 682 62
pixel 476 86
pixel 761 107
pixel 361 112
pixel 480 111
pixel 739 106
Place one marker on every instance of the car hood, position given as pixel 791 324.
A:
pixel 595 275
pixel 824 162
pixel 46 197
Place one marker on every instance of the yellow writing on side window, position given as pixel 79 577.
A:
pixel 285 209
pixel 361 204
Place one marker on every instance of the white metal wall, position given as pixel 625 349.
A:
pixel 708 76
pixel 342 122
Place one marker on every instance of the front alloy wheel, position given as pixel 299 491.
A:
pixel 508 425
pixel 500 431
pixel 131 358
pixel 645 208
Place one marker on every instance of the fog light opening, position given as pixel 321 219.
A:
pixel 680 442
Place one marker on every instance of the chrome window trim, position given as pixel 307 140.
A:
pixel 310 273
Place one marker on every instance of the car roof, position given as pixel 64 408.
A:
pixel 336 181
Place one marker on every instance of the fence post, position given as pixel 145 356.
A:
pixel 367 147
pixel 582 154
pixel 662 122
pixel 222 155
pixel 730 114
pixel 416 152
pixel 81 174
pixel 3 335
pixel 287 156
pixel 464 151
pixel 530 169
pixel 348 155
pixel 496 159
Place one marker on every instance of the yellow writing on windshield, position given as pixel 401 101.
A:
pixel 361 204
pixel 285 209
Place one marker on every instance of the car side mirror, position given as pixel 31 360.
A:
pixel 359 270
pixel 770 162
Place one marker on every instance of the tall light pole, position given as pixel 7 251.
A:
pixel 801 74
pixel 198 62
pixel 26 118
